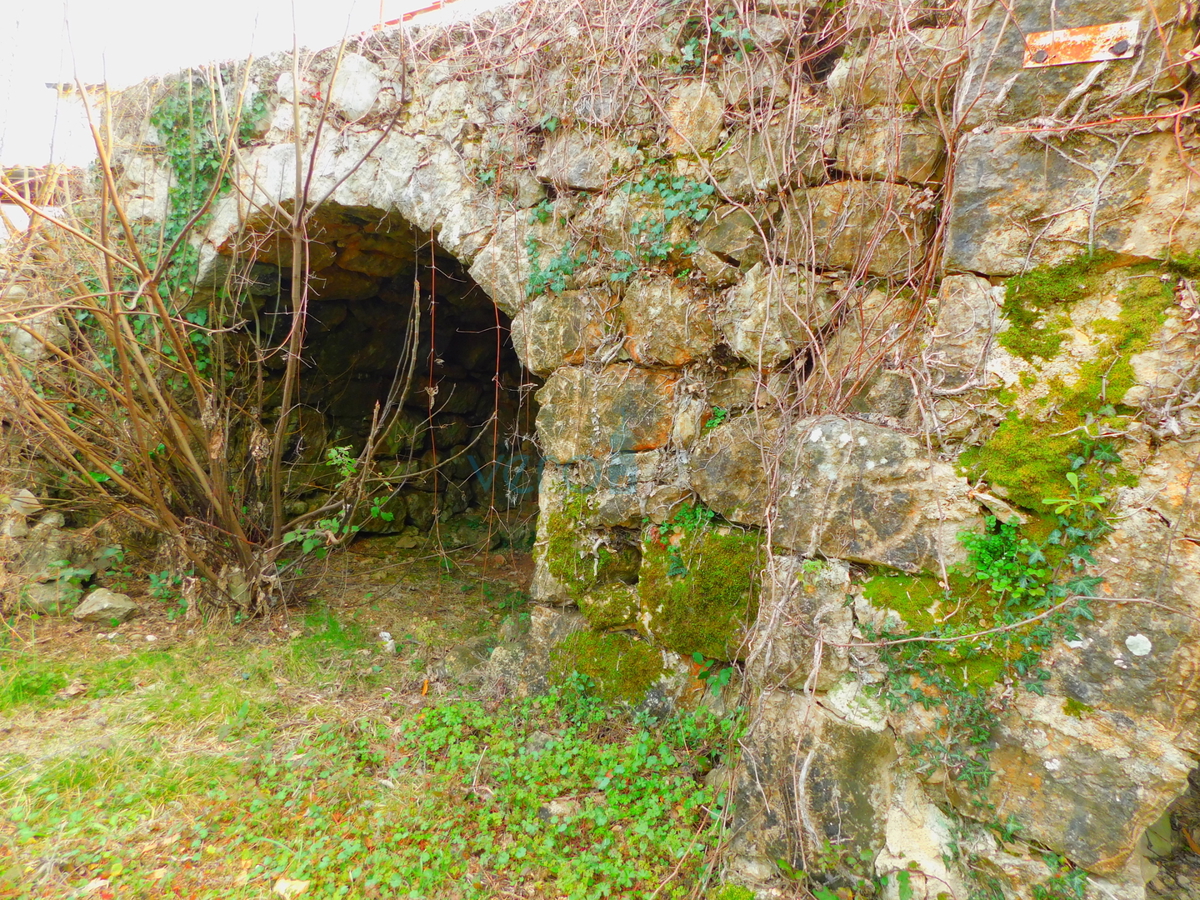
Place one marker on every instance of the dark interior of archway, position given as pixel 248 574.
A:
pixel 459 447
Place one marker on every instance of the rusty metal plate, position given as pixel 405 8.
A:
pixel 1092 43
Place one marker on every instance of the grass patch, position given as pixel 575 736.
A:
pixel 459 800
pixel 211 780
pixel 33 679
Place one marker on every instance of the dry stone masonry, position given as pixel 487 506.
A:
pixel 796 295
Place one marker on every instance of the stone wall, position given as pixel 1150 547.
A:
pixel 813 292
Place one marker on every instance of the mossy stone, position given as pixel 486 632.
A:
pixel 923 603
pixel 598 578
pixel 699 590
pixel 609 605
pixel 1036 304
pixel 1030 454
pixel 621 667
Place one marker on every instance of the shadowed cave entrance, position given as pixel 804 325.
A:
pixel 457 447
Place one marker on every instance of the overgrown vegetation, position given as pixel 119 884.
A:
pixel 992 622
pixel 229 769
pixel 155 407
pixel 682 199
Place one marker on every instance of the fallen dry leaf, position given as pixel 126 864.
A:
pixel 285 887
pixel 74 689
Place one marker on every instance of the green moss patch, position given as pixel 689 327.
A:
pixel 598 578
pixel 699 589
pixel 1037 304
pixel 732 892
pixel 621 667
pixel 925 606
pixel 1075 708
pixel 609 605
pixel 1029 455
pixel 917 599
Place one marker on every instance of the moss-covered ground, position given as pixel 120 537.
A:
pixel 294 753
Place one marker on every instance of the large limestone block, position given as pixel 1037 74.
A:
pixel 625 489
pixel 355 87
pixel 1170 485
pixel 581 160
pixel 813 770
pixel 1085 786
pixel 560 329
pixel 874 332
pixel 734 235
pixel 871 227
pixel 919 66
pixel 503 267
pixel 1141 660
pixel 594 413
pixel 786 152
pixel 968 315
pixel 893 148
pixel 774 312
pixel 575 563
pixel 920 839
pixel 754 78
pixel 629 222
pixel 995 86
pixel 604 94
pixel 696 113
pixel 729 467
pixel 145 188
pixel 802 607
pixel 1019 202
pixel 443 195
pixel 1167 366
pixel 666 323
pixel 850 490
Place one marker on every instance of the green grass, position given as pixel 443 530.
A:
pixel 210 780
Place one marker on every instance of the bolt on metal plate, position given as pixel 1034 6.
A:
pixel 1091 43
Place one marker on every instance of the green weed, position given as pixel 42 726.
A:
pixel 560 793
pixel 1026 592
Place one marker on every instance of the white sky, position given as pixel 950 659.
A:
pixel 125 41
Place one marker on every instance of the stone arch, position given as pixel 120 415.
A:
pixel 379 243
